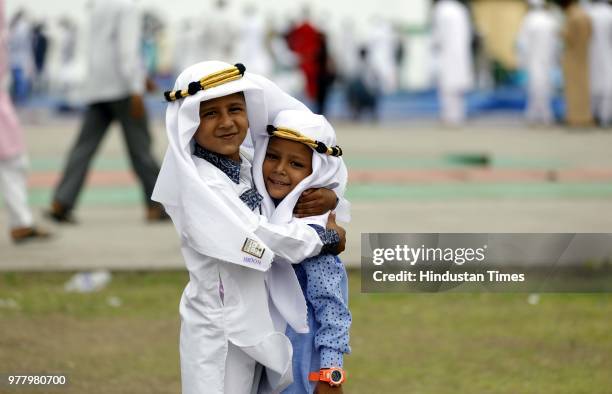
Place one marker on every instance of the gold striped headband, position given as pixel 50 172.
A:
pixel 289 134
pixel 210 81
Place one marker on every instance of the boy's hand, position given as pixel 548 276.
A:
pixel 325 388
pixel 332 225
pixel 314 202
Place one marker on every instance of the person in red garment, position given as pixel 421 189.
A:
pixel 305 40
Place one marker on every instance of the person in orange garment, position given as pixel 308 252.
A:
pixel 576 39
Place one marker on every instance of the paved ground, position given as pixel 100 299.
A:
pixel 492 176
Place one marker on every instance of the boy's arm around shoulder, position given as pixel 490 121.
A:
pixel 294 241
pixel 298 240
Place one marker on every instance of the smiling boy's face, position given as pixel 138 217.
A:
pixel 286 164
pixel 223 125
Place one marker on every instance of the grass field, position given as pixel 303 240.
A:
pixel 124 339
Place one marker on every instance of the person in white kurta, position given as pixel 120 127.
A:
pixel 345 49
pixel 381 48
pixel 21 57
pixel 601 61
pixel 538 43
pixel 452 35
pixel 220 32
pixel 226 326
pixel 67 69
pixel 190 43
pixel 251 45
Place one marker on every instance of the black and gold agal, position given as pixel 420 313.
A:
pixel 210 81
pixel 294 135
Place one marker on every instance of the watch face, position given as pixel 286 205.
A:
pixel 336 376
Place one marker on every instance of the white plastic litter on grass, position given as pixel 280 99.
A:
pixel 533 299
pixel 8 303
pixel 114 301
pixel 88 282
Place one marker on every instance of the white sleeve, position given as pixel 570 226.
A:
pixel 294 241
pixel 131 66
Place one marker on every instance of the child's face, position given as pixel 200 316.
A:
pixel 223 125
pixel 286 164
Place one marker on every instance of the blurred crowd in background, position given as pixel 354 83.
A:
pixel 550 60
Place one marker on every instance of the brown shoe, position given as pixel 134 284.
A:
pixel 156 213
pixel 60 214
pixel 23 234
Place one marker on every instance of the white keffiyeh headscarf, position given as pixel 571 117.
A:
pixel 327 171
pixel 220 232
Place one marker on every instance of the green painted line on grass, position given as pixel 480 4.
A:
pixel 528 163
pixel 93 196
pixel 450 161
pixel 45 164
pixel 479 191
pixel 380 192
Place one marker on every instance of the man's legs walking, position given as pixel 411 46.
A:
pixel 96 121
pixel 138 141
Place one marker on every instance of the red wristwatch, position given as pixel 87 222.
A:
pixel 334 376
